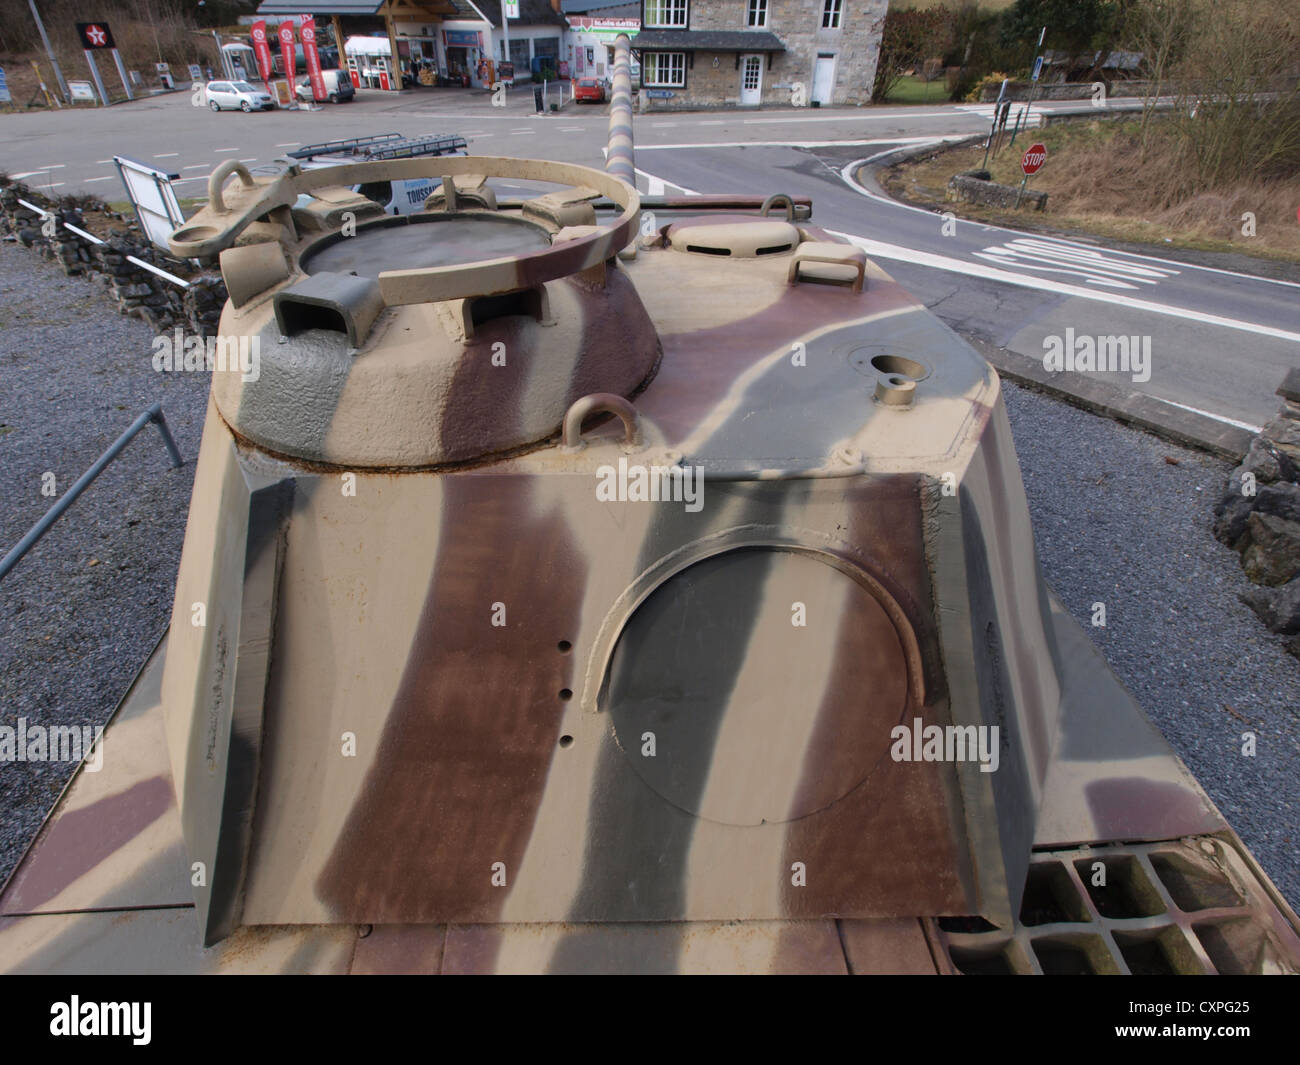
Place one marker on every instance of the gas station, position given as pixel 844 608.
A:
pixel 394 44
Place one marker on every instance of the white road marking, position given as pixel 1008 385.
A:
pixel 248 160
pixel 90 179
pixel 1089 263
pixel 103 160
pixel 197 166
pixel 798 144
pixel 970 269
pixel 1209 414
pixel 521 132
pixel 167 155
pixel 25 174
pixel 853 167
pixel 225 149
pixel 288 144
pixel 572 129
pixel 54 166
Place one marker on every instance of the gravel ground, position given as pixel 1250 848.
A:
pixel 82 610
pixel 1115 523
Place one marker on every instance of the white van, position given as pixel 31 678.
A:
pixel 338 87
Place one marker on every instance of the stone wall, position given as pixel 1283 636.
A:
pixel 161 303
pixel 855 45
pixel 972 188
pixel 1259 518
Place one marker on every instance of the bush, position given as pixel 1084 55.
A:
pixel 977 92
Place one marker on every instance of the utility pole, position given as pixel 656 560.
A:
pixel 63 85
pixel 505 33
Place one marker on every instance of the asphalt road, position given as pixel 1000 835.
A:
pixel 71 151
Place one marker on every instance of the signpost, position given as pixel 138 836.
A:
pixel 1030 163
pixel 4 88
pixel 95 37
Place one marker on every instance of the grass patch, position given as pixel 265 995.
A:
pixel 912 90
pixel 1097 182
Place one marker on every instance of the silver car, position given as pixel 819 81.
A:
pixel 228 95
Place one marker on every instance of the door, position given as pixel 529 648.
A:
pixel 751 80
pixel 823 79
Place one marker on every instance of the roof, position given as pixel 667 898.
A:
pixel 708 41
pixel 319 7
pixel 581 7
pixel 463 10
pixel 531 13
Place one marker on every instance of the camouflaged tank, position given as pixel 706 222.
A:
pixel 570 589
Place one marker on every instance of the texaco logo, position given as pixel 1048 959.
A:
pixel 97 36
pixel 259 34
pixel 308 35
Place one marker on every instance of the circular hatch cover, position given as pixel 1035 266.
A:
pixel 753 717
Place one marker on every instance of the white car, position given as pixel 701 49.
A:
pixel 232 95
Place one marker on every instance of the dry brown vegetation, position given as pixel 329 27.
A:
pixel 146 32
pixel 1222 161
pixel 1098 181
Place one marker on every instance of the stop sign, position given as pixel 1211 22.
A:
pixel 1035 156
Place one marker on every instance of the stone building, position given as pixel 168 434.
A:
pixel 746 53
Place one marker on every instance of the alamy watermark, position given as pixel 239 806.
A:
pixel 1098 354
pixel 946 743
pixel 174 352
pixel 75 1017
pixel 634 483
pixel 57 743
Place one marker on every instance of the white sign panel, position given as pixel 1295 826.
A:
pixel 512 8
pixel 82 90
pixel 151 193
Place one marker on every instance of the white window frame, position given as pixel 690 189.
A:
pixel 756 14
pixel 654 65
pixel 667 14
pixel 832 12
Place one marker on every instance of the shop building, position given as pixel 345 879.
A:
pixel 594 25
pixel 414 43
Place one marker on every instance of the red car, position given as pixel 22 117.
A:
pixel 589 89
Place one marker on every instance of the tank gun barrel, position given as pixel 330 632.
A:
pixel 619 158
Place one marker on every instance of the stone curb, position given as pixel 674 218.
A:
pixel 1124 405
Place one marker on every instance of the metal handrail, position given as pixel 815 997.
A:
pixel 153 414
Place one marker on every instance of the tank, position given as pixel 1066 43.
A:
pixel 592 583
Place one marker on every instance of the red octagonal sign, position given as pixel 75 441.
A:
pixel 1035 156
